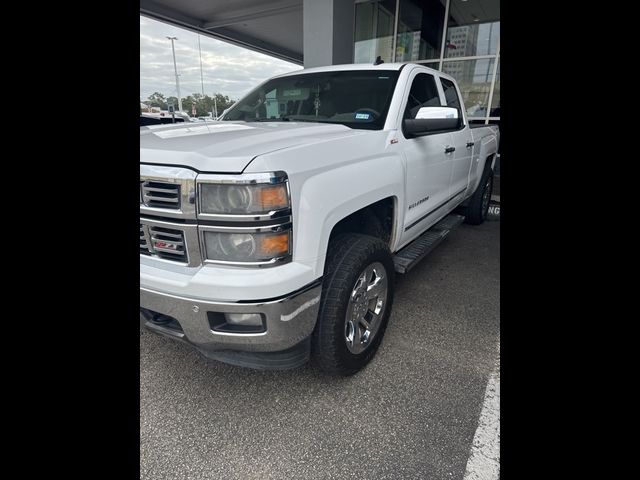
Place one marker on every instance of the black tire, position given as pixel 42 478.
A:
pixel 348 256
pixel 478 209
pixel 372 226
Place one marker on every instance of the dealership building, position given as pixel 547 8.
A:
pixel 458 37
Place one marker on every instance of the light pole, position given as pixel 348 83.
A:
pixel 215 104
pixel 175 68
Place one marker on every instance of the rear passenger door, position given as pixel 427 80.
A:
pixel 462 141
pixel 428 167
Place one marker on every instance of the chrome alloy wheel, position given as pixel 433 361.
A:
pixel 367 303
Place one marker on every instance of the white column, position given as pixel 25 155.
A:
pixel 327 32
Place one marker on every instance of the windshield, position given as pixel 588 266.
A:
pixel 357 99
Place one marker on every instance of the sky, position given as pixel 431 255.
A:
pixel 226 68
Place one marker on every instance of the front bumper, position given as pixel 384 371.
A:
pixel 289 320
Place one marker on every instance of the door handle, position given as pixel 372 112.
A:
pixel 449 149
pixel 470 144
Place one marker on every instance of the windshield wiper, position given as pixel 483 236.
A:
pixel 288 119
pixel 306 120
pixel 281 119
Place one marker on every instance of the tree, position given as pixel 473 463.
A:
pixel 223 102
pixel 157 99
pixel 186 104
pixel 204 104
pixel 173 101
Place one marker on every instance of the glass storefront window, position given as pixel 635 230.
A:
pixel 495 101
pixel 473 28
pixel 374 30
pixel 420 26
pixel 474 79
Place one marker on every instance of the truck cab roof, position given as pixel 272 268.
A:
pixel 365 66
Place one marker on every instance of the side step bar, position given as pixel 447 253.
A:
pixel 409 256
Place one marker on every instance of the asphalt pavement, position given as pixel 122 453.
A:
pixel 410 414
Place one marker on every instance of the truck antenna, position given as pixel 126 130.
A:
pixel 378 60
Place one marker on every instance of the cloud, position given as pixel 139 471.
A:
pixel 226 68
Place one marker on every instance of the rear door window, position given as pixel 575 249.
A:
pixel 451 95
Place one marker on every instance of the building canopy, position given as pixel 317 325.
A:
pixel 273 27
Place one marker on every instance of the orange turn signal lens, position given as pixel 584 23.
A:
pixel 275 245
pixel 274 197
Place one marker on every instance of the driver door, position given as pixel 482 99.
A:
pixel 428 166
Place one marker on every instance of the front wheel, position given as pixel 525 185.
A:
pixel 357 295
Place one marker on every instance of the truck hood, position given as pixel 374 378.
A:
pixel 228 147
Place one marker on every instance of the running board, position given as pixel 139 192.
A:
pixel 409 256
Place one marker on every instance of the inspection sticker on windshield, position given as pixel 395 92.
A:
pixel 363 116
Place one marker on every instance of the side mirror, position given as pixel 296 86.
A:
pixel 430 120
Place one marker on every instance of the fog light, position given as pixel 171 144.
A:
pixel 248 319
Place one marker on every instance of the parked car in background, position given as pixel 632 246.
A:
pixel 162 118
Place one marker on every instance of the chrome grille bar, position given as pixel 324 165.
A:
pixel 144 244
pixel 170 241
pixel 161 195
pixel 167 191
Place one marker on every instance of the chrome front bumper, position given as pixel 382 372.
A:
pixel 289 320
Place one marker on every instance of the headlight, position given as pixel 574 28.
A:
pixel 245 219
pixel 242 199
pixel 246 247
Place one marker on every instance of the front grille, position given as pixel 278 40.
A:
pixel 144 247
pixel 168 243
pixel 160 194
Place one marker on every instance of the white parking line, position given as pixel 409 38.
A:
pixel 484 460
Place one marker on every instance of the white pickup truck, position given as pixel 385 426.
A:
pixel 273 235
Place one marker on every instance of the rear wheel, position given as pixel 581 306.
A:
pixel 357 295
pixel 478 207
